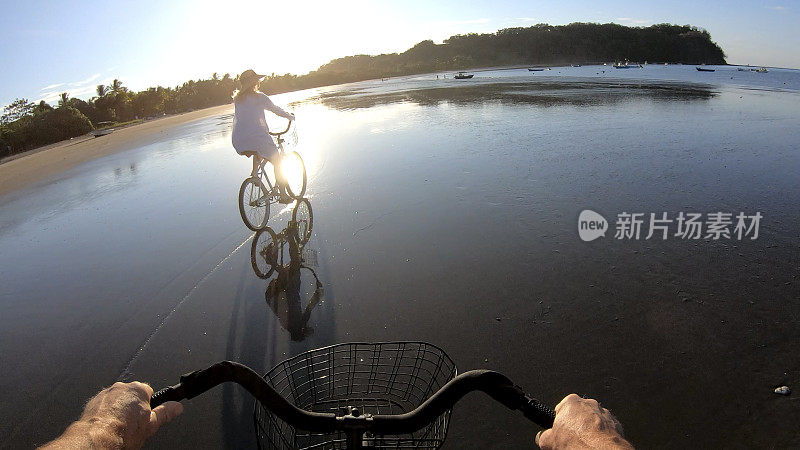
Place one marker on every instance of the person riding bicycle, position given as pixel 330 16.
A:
pixel 250 131
pixel 119 417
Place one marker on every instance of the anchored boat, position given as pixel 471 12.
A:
pixel 103 130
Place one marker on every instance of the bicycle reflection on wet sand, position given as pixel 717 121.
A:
pixel 282 254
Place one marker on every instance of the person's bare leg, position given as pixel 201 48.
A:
pixel 256 160
pixel 280 180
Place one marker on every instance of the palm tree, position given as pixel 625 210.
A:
pixel 101 90
pixel 116 86
pixel 64 99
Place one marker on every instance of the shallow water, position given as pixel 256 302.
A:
pixel 444 211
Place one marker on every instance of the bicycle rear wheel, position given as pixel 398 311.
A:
pixel 304 216
pixel 263 254
pixel 254 204
pixel 294 170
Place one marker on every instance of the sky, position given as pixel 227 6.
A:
pixel 49 47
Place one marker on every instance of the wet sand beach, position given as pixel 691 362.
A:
pixel 444 212
pixel 20 171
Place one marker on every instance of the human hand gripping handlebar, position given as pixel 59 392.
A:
pixel 495 384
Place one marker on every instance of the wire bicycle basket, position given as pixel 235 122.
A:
pixel 360 379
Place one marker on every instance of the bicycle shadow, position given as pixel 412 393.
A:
pixel 284 297
pixel 283 254
pixel 259 340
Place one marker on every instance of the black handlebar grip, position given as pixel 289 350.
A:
pixel 169 394
pixel 538 413
pixel 195 383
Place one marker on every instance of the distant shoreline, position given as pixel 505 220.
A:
pixel 25 169
pixel 21 170
pixel 520 67
pixel 73 141
pixel 525 66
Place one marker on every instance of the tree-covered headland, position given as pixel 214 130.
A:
pixel 25 125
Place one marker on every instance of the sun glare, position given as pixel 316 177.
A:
pixel 314 123
pixel 277 37
pixel 292 170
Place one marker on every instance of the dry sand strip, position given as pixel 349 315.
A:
pixel 43 163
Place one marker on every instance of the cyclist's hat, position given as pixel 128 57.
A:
pixel 249 75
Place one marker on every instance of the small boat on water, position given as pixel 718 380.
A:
pixel 98 133
pixel 703 69
pixel 103 130
pixel 622 66
pixel 761 70
pixel 463 76
pixel 576 65
pixel 535 70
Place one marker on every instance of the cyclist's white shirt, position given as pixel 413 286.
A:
pixel 250 130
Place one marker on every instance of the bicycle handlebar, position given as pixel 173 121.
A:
pixel 495 384
pixel 284 131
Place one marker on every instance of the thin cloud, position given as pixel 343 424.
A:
pixel 52 86
pixel 77 92
pixel 526 19
pixel 50 97
pixel 634 21
pixel 74 89
pixel 86 81
pixel 776 8
pixel 82 91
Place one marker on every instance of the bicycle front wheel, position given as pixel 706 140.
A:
pixel 263 253
pixel 295 173
pixel 304 217
pixel 254 204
